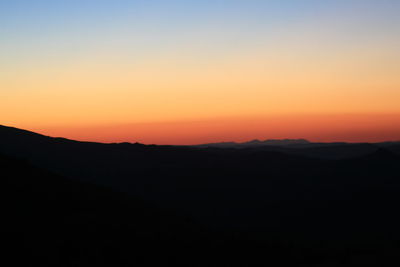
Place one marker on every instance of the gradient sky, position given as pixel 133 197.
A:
pixel 185 72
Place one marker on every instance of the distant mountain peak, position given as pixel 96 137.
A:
pixel 258 142
pixel 287 141
pixel 255 141
pixel 280 142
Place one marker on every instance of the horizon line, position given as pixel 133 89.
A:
pixel 199 144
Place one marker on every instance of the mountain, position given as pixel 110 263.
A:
pixel 250 206
pixel 256 142
pixel 303 147
pixel 48 220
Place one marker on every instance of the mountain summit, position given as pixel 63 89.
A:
pixel 257 142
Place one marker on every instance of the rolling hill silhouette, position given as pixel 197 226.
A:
pixel 53 221
pixel 309 204
pixel 256 142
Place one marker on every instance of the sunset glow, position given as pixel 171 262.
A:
pixel 190 72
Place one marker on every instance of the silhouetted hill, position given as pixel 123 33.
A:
pixel 256 142
pixel 302 147
pixel 48 220
pixel 315 204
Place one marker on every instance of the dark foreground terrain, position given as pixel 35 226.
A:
pixel 68 203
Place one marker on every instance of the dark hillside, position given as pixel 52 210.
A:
pixel 91 201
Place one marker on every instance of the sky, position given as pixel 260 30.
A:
pixel 189 72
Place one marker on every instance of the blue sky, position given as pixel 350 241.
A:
pixel 108 61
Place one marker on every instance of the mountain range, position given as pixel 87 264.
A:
pixel 70 203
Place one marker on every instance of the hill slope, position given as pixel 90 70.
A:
pixel 325 210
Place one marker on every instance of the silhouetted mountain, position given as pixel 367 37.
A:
pixel 318 204
pixel 256 142
pixel 302 147
pixel 48 220
pixel 276 142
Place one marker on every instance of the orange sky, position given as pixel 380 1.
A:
pixel 322 128
pixel 197 72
